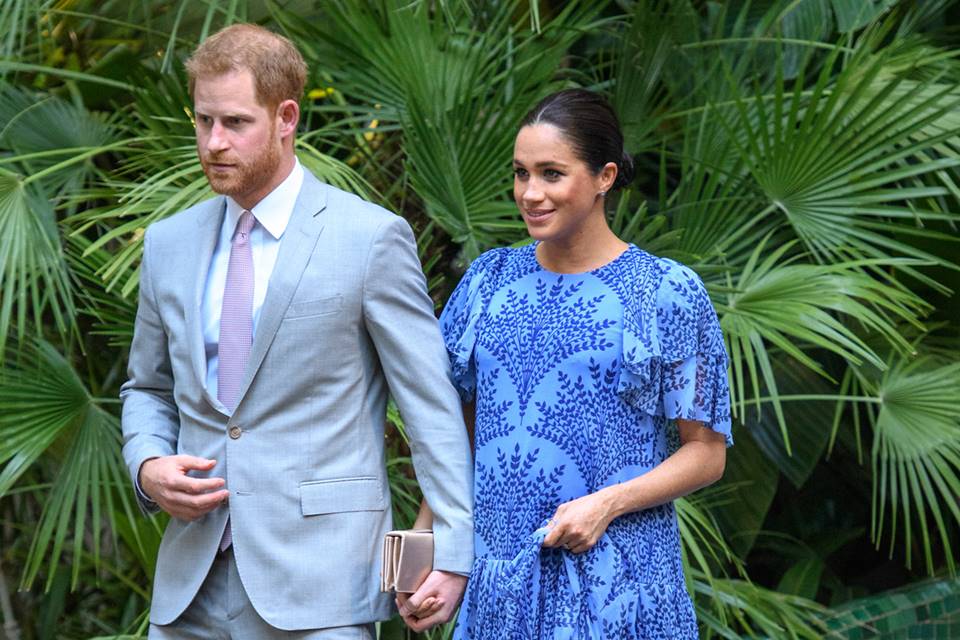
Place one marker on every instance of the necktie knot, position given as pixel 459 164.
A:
pixel 244 227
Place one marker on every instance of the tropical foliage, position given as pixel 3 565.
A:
pixel 803 156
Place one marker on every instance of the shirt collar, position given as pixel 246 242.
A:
pixel 276 208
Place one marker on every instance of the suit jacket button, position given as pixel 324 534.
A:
pixel 235 432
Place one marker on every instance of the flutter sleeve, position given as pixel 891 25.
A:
pixel 463 316
pixel 674 359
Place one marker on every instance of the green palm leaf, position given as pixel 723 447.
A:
pixel 747 610
pixel 915 455
pixel 43 403
pixel 837 162
pixel 33 274
pixel 15 24
pixel 793 306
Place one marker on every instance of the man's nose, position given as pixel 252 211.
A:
pixel 217 140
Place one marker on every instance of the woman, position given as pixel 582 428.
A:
pixel 581 353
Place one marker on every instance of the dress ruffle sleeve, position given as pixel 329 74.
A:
pixel 674 359
pixel 462 316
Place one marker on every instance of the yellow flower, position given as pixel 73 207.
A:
pixel 368 135
pixel 318 94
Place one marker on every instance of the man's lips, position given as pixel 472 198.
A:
pixel 219 166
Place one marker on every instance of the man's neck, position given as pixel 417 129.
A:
pixel 287 162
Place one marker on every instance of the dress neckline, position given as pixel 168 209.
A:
pixel 532 249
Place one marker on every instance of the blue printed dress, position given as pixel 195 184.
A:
pixel 576 378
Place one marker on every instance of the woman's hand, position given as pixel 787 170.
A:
pixel 577 525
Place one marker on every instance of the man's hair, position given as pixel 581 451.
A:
pixel 279 72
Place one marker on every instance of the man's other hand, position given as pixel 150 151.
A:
pixel 434 602
pixel 165 481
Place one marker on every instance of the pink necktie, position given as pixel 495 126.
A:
pixel 236 326
pixel 236 316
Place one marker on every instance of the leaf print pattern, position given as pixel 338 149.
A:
pixel 591 426
pixel 531 338
pixel 497 425
pixel 514 495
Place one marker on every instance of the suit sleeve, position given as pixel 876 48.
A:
pixel 150 418
pixel 398 315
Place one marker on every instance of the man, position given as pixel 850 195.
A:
pixel 272 321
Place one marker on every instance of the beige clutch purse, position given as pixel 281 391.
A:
pixel 407 559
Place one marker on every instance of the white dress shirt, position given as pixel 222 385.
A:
pixel 272 214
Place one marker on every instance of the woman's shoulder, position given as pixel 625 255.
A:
pixel 666 269
pixel 494 267
pixel 502 256
pixel 665 280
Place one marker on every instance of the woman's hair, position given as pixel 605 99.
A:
pixel 587 120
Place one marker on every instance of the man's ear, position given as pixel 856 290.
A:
pixel 288 113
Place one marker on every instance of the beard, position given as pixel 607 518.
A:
pixel 247 175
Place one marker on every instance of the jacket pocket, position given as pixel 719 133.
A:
pixel 310 308
pixel 340 495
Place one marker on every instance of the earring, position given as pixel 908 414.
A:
pixel 602 194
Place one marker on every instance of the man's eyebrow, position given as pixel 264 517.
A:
pixel 241 116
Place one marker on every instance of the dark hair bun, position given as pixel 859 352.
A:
pixel 625 172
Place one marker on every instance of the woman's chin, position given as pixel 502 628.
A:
pixel 537 230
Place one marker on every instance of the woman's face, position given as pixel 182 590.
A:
pixel 554 189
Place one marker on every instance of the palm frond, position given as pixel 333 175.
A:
pixel 33 274
pixel 748 610
pixel 793 307
pixel 42 402
pixel 915 455
pixel 837 161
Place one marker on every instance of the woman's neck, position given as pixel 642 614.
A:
pixel 583 251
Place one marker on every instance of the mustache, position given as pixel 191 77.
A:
pixel 208 158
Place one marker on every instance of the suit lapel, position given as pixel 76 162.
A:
pixel 209 222
pixel 296 247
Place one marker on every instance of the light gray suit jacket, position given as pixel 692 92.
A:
pixel 346 319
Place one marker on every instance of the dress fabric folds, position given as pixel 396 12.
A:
pixel 576 378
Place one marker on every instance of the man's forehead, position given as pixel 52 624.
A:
pixel 232 90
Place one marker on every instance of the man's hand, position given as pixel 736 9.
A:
pixel 434 602
pixel 165 481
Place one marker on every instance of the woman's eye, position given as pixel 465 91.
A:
pixel 520 173
pixel 552 174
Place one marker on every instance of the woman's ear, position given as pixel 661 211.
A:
pixel 607 176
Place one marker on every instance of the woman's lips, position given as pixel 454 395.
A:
pixel 538 214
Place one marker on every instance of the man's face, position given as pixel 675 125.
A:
pixel 238 139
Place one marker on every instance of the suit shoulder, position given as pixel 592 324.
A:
pixel 361 214
pixel 183 221
pixel 354 205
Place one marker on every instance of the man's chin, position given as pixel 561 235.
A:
pixel 221 186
